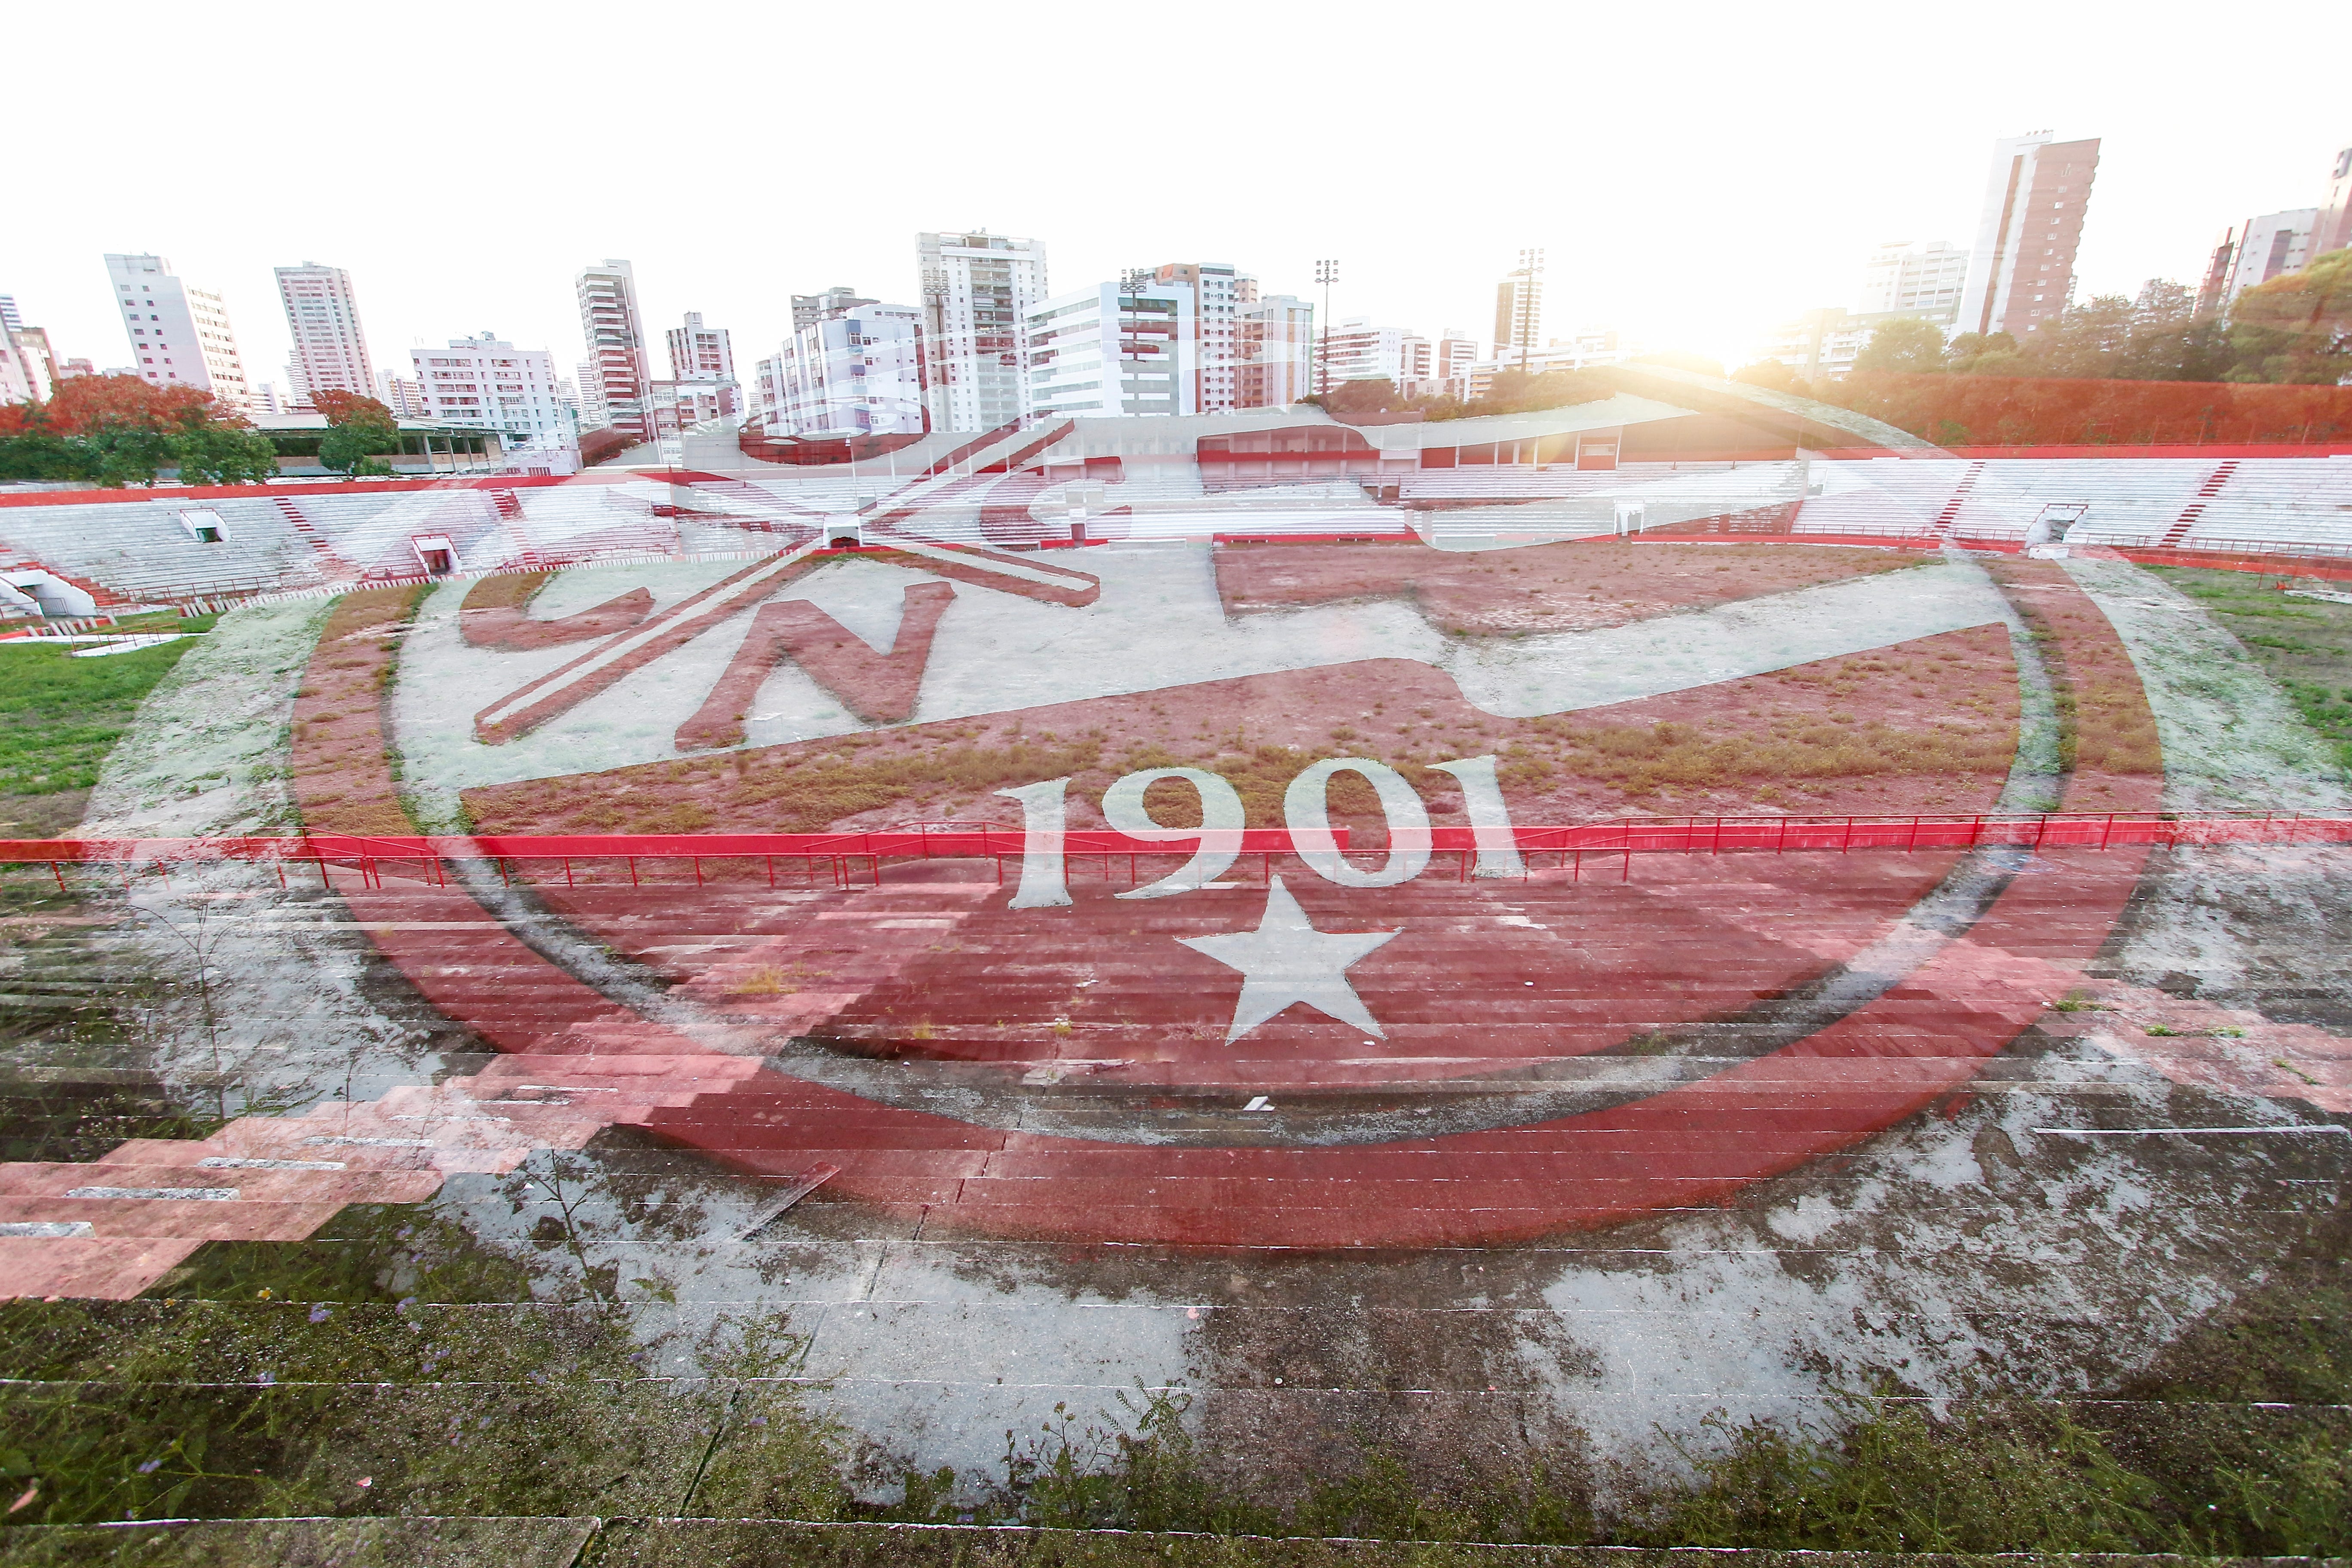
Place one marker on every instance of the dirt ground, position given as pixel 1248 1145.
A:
pixel 1544 587
pixel 1922 726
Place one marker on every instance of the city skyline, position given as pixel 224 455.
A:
pixel 2166 185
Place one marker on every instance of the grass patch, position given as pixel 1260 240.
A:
pixel 2305 645
pixel 60 716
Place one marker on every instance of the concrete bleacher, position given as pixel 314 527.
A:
pixel 125 549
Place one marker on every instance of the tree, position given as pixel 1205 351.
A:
pixel 1515 391
pixel 2156 335
pixel 358 427
pixel 116 430
pixel 2296 328
pixel 1905 344
pixel 342 408
pixel 1982 353
pixel 1373 397
pixel 223 454
pixel 1774 375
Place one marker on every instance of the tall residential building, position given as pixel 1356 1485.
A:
pixel 1114 350
pixel 1922 280
pixel 2022 267
pixel 1219 295
pixel 16 384
pixel 616 364
pixel 37 361
pixel 2262 248
pixel 180 335
pixel 978 290
pixel 1277 345
pixel 331 352
pixel 697 352
pixel 9 317
pixel 2332 229
pixel 856 371
pixel 488 381
pixel 1358 350
pixel 1450 359
pixel 589 389
pixel 810 308
pixel 1519 313
pixel 403 395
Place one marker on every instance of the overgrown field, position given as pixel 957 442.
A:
pixel 397 1365
pixel 60 716
pixel 2306 644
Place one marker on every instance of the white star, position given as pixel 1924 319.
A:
pixel 1285 960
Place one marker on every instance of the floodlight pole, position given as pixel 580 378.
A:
pixel 1327 272
pixel 1531 262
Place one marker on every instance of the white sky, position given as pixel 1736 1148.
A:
pixel 1696 171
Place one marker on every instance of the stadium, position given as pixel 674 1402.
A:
pixel 1444 940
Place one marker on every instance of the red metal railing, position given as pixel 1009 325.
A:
pixel 656 859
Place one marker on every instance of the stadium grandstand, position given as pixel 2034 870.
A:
pixel 1663 455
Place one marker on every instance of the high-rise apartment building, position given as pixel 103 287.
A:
pixel 978 292
pixel 810 308
pixel 1277 345
pixel 2332 228
pixel 1922 280
pixel 1519 313
pixel 10 318
pixel 1114 350
pixel 615 367
pixel 2260 248
pixel 2022 267
pixel 403 395
pixel 180 335
pixel 697 352
pixel 1358 350
pixel 589 389
pixel 330 353
pixel 855 371
pixel 1219 295
pixel 1449 362
pixel 488 381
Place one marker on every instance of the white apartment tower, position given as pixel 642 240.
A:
pixel 1115 350
pixel 615 377
pixel 330 353
pixel 2265 247
pixel 697 352
pixel 1358 350
pixel 489 383
pixel 2022 267
pixel 978 289
pixel 855 371
pixel 1922 280
pixel 180 335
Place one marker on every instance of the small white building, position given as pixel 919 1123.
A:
pixel 489 384
pixel 1115 350
pixel 1922 280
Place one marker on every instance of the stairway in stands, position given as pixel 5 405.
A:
pixel 2196 509
pixel 1949 517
